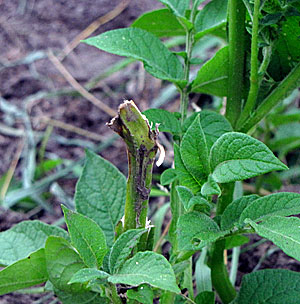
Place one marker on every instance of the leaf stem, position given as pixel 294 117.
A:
pixel 236 37
pixel 254 79
pixel 286 86
pixel 114 294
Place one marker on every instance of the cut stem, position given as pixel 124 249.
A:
pixel 141 144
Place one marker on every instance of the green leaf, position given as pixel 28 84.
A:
pixel 194 151
pixel 62 262
pixel 144 46
pixel 235 241
pixel 212 78
pixel 123 248
pixel 199 203
pixel 147 267
pixel 80 298
pixel 212 17
pixel 205 297
pixel 87 237
pixel 283 203
pixel 168 176
pixel 196 230
pixel 237 156
pixel 161 23
pixel 87 274
pixel 166 120
pixel 100 194
pixel 142 294
pixel 24 273
pixel 184 176
pixel 210 187
pixel 185 194
pixel 203 273
pixel 177 7
pixel 158 220
pixel 25 238
pixel 282 231
pixel 232 213
pixel 272 286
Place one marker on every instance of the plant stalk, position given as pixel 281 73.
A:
pixel 254 79
pixel 113 294
pixel 141 144
pixel 236 37
pixel 287 85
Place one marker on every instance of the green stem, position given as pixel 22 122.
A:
pixel 131 125
pixel 236 37
pixel 254 81
pixel 113 294
pixel 219 274
pixel 287 85
pixel 234 264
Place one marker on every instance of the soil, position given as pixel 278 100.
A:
pixel 28 29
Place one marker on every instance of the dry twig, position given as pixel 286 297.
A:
pixel 78 87
pixel 93 27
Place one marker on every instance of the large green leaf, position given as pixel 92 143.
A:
pixel 147 267
pixel 166 120
pixel 272 286
pixel 100 194
pixel 212 17
pixel 161 23
pixel 24 273
pixel 142 294
pixel 282 231
pixel 87 237
pixel 205 297
pixel 237 156
pixel 194 151
pixel 283 203
pixel 144 46
pixel 232 213
pixel 185 177
pixel 25 238
pixel 196 230
pixel 123 247
pixel 212 77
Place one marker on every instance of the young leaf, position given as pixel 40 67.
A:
pixel 185 194
pixel 185 178
pixel 161 23
pixel 196 230
pixel 87 274
pixel 210 187
pixel 87 237
pixel 212 17
pixel 205 297
pixel 142 294
pixel 282 203
pixel 168 176
pixel 123 247
pixel 62 262
pixel 24 273
pixel 233 211
pixel 144 46
pixel 147 267
pixel 270 286
pixel 100 194
pixel 212 78
pixel 166 120
pixel 24 238
pixel 198 203
pixel 282 231
pixel 194 151
pixel 237 156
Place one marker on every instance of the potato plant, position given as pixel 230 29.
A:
pixel 107 254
